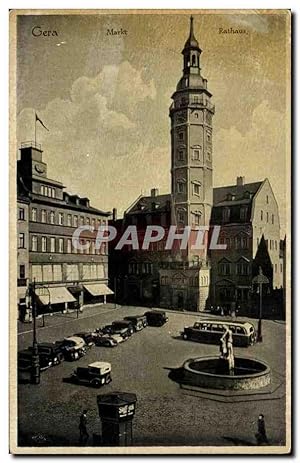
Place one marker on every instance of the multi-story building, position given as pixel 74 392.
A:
pixel 22 247
pixel 64 275
pixel 247 214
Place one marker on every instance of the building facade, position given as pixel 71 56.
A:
pixel 65 276
pixel 250 231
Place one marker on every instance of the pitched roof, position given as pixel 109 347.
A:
pixel 220 194
pixel 145 204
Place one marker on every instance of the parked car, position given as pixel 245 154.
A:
pixel 25 361
pixel 156 318
pixel 138 321
pixel 120 324
pixel 72 347
pixel 96 374
pixel 87 336
pixel 106 340
pixel 51 351
pixel 210 331
pixel 111 329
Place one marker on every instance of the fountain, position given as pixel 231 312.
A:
pixel 225 371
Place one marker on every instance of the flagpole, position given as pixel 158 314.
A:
pixel 34 129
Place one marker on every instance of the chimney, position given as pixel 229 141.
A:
pixel 240 181
pixel 154 192
pixel 114 214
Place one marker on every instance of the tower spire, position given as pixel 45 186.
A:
pixel 191 41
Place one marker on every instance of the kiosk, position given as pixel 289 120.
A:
pixel 116 411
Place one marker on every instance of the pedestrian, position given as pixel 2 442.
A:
pixel 84 435
pixel 261 436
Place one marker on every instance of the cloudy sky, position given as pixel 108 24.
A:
pixel 105 99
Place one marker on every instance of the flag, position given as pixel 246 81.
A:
pixel 37 119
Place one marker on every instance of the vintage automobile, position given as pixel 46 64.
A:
pixel 96 374
pixel 120 324
pixel 51 351
pixel 72 347
pixel 111 329
pixel 210 331
pixel 156 318
pixel 87 336
pixel 138 321
pixel 107 340
pixel 25 361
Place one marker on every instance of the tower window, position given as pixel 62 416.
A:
pixel 180 135
pixel 196 155
pixel 267 199
pixel 180 216
pixel 21 214
pixel 180 155
pixel 196 189
pixel 261 215
pixel 193 60
pixel 180 187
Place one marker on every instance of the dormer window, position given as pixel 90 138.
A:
pixel 230 197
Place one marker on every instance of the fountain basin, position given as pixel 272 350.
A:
pixel 208 372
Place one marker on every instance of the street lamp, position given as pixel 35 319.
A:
pixel 260 280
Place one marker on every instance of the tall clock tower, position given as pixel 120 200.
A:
pixel 191 142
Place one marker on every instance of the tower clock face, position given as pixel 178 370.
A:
pixel 40 169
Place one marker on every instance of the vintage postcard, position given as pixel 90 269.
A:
pixel 150 227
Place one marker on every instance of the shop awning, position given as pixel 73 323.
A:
pixel 55 296
pixel 98 289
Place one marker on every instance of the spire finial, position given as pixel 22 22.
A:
pixel 192 26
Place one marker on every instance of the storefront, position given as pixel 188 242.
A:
pixel 96 293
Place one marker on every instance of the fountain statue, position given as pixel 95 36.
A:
pixel 226 351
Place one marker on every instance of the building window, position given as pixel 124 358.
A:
pixel 180 216
pixel 44 216
pixel 22 271
pixel 224 268
pixel 81 220
pixel 208 137
pixel 60 218
pixel 273 219
pixel 196 155
pixel 261 215
pixel 243 213
pixel 281 268
pixel 180 187
pixel 267 217
pixel 226 214
pixel 180 155
pixel 275 268
pixel 52 244
pixel 34 243
pixel 242 268
pixel 34 214
pixel 44 244
pixel 275 245
pixel 75 221
pixel 196 189
pixel 87 242
pixel 52 217
pixel 21 243
pixel 197 219
pixel 93 249
pixel 180 136
pixel 69 220
pixel 42 190
pixel 94 223
pixel 21 213
pixel 61 245
pixel 244 242
pixel 69 246
pixel 53 192
pixel 267 199
pixel 87 221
